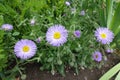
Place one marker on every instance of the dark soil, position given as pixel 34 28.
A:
pixel 33 72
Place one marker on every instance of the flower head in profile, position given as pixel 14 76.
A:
pixel 109 50
pixel 97 56
pixel 82 13
pixel 7 27
pixel 32 22
pixel 104 35
pixel 38 40
pixel 25 49
pixel 67 3
pixel 77 33
pixel 56 35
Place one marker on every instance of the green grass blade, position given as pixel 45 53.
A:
pixel 109 11
pixel 102 15
pixel 118 76
pixel 111 72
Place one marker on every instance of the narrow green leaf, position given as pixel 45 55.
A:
pixel 2 8
pixel 115 23
pixel 111 72
pixel 1 20
pixel 15 33
pixel 109 11
pixel 118 76
pixel 102 14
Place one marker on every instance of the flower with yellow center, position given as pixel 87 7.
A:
pixel 56 35
pixel 104 35
pixel 25 49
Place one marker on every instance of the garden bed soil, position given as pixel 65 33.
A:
pixel 33 72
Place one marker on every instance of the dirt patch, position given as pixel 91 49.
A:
pixel 33 72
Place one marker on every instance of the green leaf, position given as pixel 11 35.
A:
pixel 1 20
pixel 115 23
pixel 59 62
pixel 109 11
pixel 28 37
pixel 1 35
pixel 102 17
pixel 23 77
pixel 118 76
pixel 2 56
pixel 116 41
pixel 2 8
pixel 50 59
pixel 61 70
pixel 111 72
pixel 15 33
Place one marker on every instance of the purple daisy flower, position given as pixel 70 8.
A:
pixel 97 56
pixel 104 35
pixel 7 27
pixel 77 33
pixel 25 49
pixel 57 35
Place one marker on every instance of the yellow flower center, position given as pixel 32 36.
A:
pixel 103 35
pixel 57 35
pixel 26 48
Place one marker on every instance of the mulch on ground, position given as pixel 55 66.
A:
pixel 33 72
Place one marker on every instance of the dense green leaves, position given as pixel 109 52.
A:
pixel 3 56
pixel 113 20
pixel 114 25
